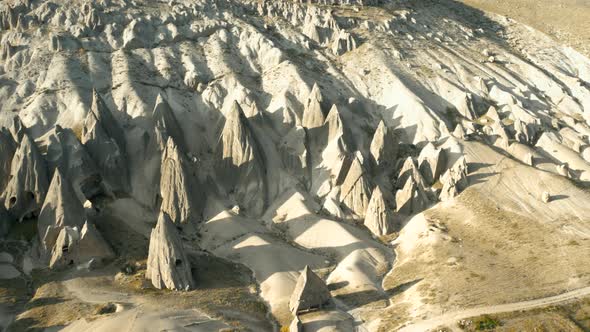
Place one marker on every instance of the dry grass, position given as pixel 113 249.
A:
pixel 566 21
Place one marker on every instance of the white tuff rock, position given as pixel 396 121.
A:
pixel 310 292
pixel 167 264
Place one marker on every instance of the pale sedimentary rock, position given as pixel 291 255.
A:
pixel 7 150
pixel 379 215
pixel 240 168
pixel 105 142
pixel 431 163
pixel 313 116
pixel 310 292
pixel 168 265
pixel 296 325
pixel 61 208
pixel 74 246
pixel 28 184
pixel 166 125
pixel 356 189
pixel 383 147
pixel 454 180
pixel 411 198
pixel 66 153
pixel 177 194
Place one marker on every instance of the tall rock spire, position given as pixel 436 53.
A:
pixel 379 216
pixel 383 147
pixel 176 191
pixel 241 169
pixel 313 116
pixel 356 188
pixel 28 184
pixel 7 150
pixel 310 292
pixel 105 142
pixel 66 153
pixel 168 265
pixel 166 125
pixel 61 208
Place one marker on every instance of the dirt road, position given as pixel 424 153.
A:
pixel 451 318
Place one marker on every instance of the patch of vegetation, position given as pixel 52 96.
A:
pixel 107 308
pixel 486 323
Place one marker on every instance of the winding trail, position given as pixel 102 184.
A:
pixel 452 317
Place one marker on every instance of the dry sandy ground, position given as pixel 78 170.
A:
pixel 567 21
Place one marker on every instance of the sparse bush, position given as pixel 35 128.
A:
pixel 486 323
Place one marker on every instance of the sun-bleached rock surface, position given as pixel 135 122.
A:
pixel 178 196
pixel 28 184
pixel 168 265
pixel 75 246
pixel 310 292
pixel 61 208
pixel 275 135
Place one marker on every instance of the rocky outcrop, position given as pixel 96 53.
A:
pixel 410 170
pixel 313 116
pixel 66 153
pixel 356 189
pixel 333 125
pixel 294 154
pixel 7 150
pixel 383 148
pixel 61 208
pixel 296 325
pixel 166 125
pixel 454 180
pixel 431 163
pixel 380 213
pixel 167 264
pixel 241 170
pixel 74 247
pixel 28 183
pixel 411 198
pixel 310 292
pixel 343 42
pixel 105 142
pixel 179 201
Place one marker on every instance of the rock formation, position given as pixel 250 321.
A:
pixel 454 180
pixel 431 163
pixel 166 125
pixel 66 153
pixel 333 125
pixel 379 215
pixel 355 191
pixel 179 201
pixel 411 198
pixel 28 183
pixel 546 197
pixel 410 170
pixel 383 147
pixel 74 247
pixel 61 208
pixel 7 150
pixel 105 142
pixel 241 169
pixel 310 292
pixel 313 116
pixel 168 265
pixel 296 325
